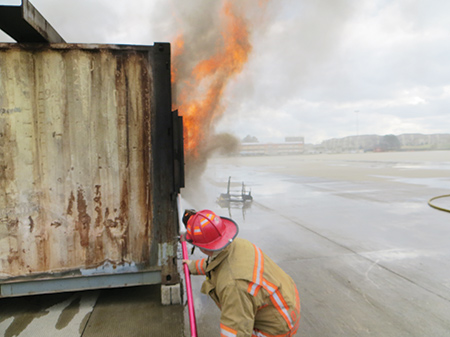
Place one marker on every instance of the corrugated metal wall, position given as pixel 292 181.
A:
pixel 75 158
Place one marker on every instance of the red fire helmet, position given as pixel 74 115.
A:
pixel 209 231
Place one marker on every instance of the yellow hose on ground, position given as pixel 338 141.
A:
pixel 437 207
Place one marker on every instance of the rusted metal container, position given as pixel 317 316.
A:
pixel 90 166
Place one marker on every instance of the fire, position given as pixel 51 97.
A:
pixel 199 100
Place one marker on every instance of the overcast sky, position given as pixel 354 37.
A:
pixel 320 69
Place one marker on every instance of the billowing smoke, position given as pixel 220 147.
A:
pixel 210 50
pixel 194 191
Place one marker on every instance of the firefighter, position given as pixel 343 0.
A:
pixel 255 296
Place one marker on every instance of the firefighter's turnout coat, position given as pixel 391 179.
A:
pixel 255 296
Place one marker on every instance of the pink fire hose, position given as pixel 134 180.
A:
pixel 190 298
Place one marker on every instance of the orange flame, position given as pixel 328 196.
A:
pixel 199 102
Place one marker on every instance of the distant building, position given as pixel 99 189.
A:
pixel 292 145
pixel 385 143
pixel 294 139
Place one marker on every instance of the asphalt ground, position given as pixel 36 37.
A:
pixel 355 232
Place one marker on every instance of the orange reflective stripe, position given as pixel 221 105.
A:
pixel 197 231
pixel 280 304
pixel 294 330
pixel 269 287
pixel 205 221
pixel 297 300
pixel 277 299
pixel 253 288
pixel 263 306
pixel 226 331
pixel 196 267
pixel 294 316
pixel 258 271
pixel 199 267
pixel 296 312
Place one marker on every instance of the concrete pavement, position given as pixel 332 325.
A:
pixel 135 311
pixel 369 256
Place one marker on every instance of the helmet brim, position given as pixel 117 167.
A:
pixel 231 231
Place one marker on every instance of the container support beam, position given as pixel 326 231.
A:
pixel 25 24
pixel 49 286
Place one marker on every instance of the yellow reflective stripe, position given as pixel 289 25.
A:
pixel 226 331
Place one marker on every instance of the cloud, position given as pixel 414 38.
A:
pixel 313 63
pixel 385 59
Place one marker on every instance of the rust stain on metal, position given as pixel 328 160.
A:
pixel 13 256
pixel 55 224
pixel 7 163
pixel 86 174
pixel 98 207
pixel 70 206
pixel 31 224
pixel 12 226
pixel 111 223
pixel 83 222
pixel 124 220
pixel 98 227
pixel 98 195
pixel 146 155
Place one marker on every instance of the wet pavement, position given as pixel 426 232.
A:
pixel 134 311
pixel 370 257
